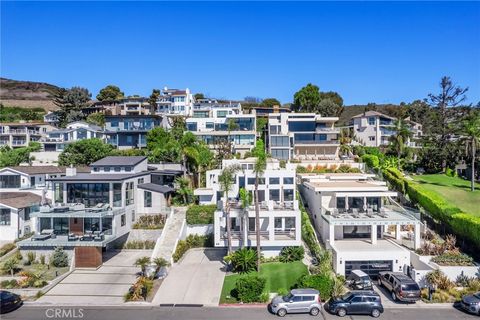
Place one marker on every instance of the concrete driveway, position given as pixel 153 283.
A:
pixel 106 285
pixel 196 280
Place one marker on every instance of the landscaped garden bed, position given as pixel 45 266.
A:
pixel 150 222
pixel 200 214
pixel 31 271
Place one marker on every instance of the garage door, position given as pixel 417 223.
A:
pixel 372 267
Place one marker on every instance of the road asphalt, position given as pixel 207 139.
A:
pixel 30 312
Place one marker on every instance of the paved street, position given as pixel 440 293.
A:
pixel 107 285
pixel 168 313
pixel 197 279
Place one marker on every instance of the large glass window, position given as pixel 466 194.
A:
pixel 274 194
pixel 281 154
pixel 301 126
pixel 4 217
pixel 45 223
pixel 90 194
pixel 117 194
pixel 371 121
pixel 279 141
pixel 10 181
pixel 309 137
pixel 251 181
pixel 129 199
pixel 107 225
pixel 58 187
pixel 221 114
pixel 287 194
pixel 288 180
pixel 274 180
pixel 123 220
pixel 60 225
pixel 147 199
pixel 192 126
pixel 91 224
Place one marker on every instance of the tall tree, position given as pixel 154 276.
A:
pixel 226 179
pixel 246 200
pixel 270 103
pixel 198 96
pixel 311 99
pixel 470 132
pixel 307 98
pixel 84 152
pixel 96 118
pixel 152 100
pixel 71 102
pixel 258 169
pixel 451 95
pixel 110 94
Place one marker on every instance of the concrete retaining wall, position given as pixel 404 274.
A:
pixel 199 229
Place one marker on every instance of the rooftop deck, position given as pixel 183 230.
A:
pixel 63 241
pixel 389 215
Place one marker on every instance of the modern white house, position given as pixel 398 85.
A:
pixel 280 217
pixel 57 140
pixel 302 136
pixel 92 210
pixel 213 123
pixel 373 129
pixel 175 102
pixel 357 218
pixel 20 134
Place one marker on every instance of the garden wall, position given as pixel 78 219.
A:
pixel 453 272
pixel 144 234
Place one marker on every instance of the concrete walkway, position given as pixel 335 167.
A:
pixel 196 280
pixel 171 232
pixel 103 286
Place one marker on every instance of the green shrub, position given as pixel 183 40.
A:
pixel 451 173
pixel 138 244
pixel 243 260
pixel 453 259
pixel 371 160
pixel 358 150
pixel 282 292
pixel 59 258
pixel 192 241
pixel 18 255
pixel 31 256
pixel 250 288
pixel 40 283
pixel 290 254
pixel 42 259
pixel 6 248
pixel 394 177
pixel 9 284
pixel 301 169
pixel 322 282
pixel 201 214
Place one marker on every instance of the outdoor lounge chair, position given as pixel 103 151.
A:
pixel 72 237
pixel 87 236
pixel 97 236
pixel 370 212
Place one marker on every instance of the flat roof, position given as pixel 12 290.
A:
pixel 99 177
pixel 391 217
pixel 43 169
pixel 346 186
pixel 119 161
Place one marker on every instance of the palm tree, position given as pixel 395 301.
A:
pixel 246 199
pixel 227 180
pixel 10 265
pixel 142 263
pixel 470 131
pixel 258 169
pixel 184 189
pixel 345 139
pixel 160 263
pixel 400 137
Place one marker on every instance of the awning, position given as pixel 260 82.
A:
pixel 366 194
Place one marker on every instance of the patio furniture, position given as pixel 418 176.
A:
pixel 41 237
pixel 370 212
pixel 335 213
pixel 72 237
pixel 98 236
pixel 355 213
pixel 87 236
pixel 383 213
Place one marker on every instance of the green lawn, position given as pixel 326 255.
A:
pixel 455 190
pixel 279 275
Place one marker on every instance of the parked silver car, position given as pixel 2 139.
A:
pixel 471 303
pixel 297 301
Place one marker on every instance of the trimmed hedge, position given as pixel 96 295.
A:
pixel 463 224
pixel 192 241
pixel 308 233
pixel 201 214
pixel 250 288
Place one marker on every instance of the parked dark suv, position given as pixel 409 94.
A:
pixel 356 302
pixel 401 286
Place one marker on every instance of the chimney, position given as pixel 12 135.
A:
pixel 71 171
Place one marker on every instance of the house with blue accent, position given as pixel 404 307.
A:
pixel 130 131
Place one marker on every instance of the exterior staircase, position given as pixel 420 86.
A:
pixel 172 232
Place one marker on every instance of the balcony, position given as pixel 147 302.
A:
pixel 268 205
pixel 284 234
pixel 19 142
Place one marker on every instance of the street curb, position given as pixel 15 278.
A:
pixel 243 305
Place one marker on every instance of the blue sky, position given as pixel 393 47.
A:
pixel 367 51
